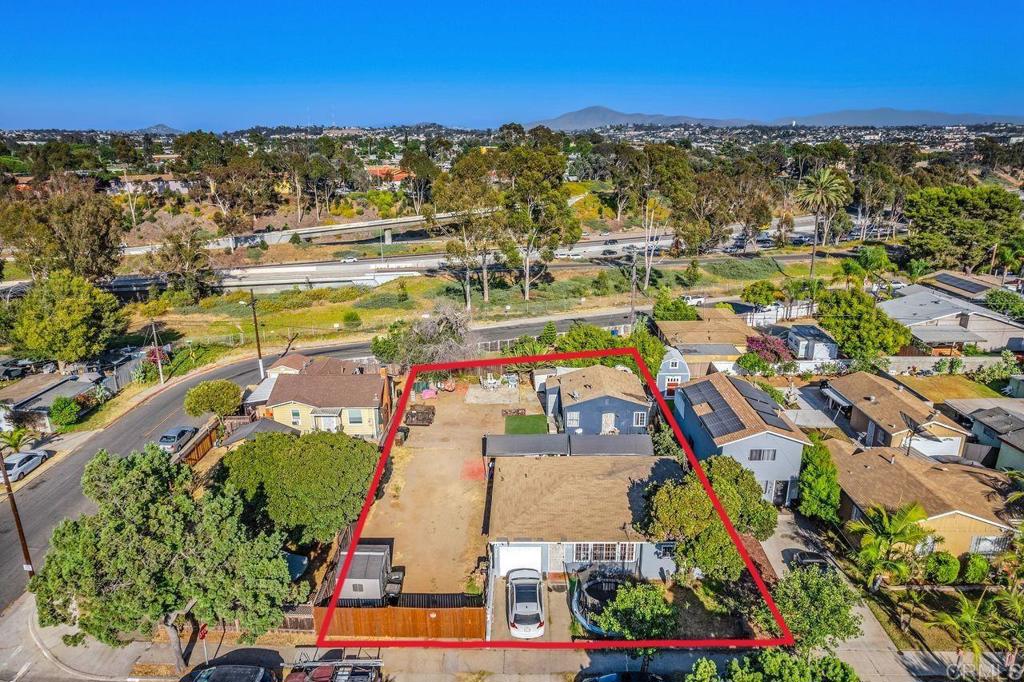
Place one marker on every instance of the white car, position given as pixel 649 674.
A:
pixel 21 464
pixel 694 300
pixel 525 601
pixel 575 255
pixel 350 259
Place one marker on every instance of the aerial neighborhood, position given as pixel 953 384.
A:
pixel 625 401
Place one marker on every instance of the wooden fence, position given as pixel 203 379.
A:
pixel 199 445
pixel 398 621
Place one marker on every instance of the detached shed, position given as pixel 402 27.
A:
pixel 367 574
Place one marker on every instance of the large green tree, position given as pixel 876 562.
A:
pixel 819 482
pixel 151 550
pixel 185 262
pixel 863 331
pixel 817 606
pixel 682 511
pixel 219 396
pixel 309 487
pixel 65 318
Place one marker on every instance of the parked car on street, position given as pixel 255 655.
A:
pixel 172 441
pixel 235 673
pixel 525 604
pixel 21 464
pixel 9 372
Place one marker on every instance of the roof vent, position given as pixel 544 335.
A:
pixel 871 398
pixel 575 395
pixel 892 459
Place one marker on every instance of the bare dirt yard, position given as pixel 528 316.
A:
pixel 433 508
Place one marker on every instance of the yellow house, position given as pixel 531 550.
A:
pixel 356 404
pixel 966 505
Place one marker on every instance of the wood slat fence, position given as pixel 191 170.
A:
pixel 398 621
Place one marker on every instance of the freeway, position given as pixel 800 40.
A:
pixel 56 493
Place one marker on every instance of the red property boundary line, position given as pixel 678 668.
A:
pixel 785 640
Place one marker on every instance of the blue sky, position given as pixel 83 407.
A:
pixel 224 65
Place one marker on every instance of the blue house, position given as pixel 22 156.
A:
pixel 598 400
pixel 724 415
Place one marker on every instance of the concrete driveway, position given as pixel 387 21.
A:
pixel 873 654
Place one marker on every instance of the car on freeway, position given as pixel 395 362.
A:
pixel 21 464
pixel 807 559
pixel 350 259
pixel 172 441
pixel 610 242
pixel 525 604
pixel 234 673
pixel 609 252
pixel 575 255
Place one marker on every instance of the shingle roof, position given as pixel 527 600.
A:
pixel 598 381
pixel 349 390
pixel 729 330
pixel 889 407
pixel 573 498
pixel 259 426
pixel 750 421
pixel 891 478
pixel 317 365
pixel 999 420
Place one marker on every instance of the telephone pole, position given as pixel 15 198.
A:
pixel 256 330
pixel 17 525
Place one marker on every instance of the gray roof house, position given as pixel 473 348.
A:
pixel 939 320
pixel 811 342
pixel 723 415
pixel 598 400
pixel 29 400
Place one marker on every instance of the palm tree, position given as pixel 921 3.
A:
pixel 822 193
pixel 1016 478
pixel 16 439
pixel 1011 626
pixel 912 601
pixel 887 540
pixel 916 269
pixel 792 289
pixel 850 272
pixel 971 625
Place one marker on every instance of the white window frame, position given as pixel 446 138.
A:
pixel 296 417
pixel 762 455
pixel 358 421
pixel 673 364
pixel 608 552
pixel 572 419
pixel 768 487
pixel 639 419
pixel 997 544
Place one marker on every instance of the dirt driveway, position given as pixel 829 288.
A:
pixel 434 506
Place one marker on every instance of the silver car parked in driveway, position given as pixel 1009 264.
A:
pixel 525 603
pixel 20 464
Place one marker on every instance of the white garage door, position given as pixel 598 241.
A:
pixel 511 557
pixel 934 447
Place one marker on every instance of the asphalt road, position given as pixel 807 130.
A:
pixel 56 493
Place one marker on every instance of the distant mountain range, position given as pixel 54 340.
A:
pixel 597 117
pixel 159 129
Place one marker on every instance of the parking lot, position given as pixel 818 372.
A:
pixel 433 508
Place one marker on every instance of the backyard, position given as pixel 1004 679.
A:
pixel 941 387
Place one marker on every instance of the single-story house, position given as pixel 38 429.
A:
pixel 561 515
pixel 885 413
pixel 945 323
pixel 598 400
pixel 965 504
pixel 27 402
pixel 1011 451
pixel 724 415
pixel 297 363
pixel 969 287
pixel 357 404
pixel 811 342
pixel 578 445
pixel 989 425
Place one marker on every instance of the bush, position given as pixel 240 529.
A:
pixel 146 373
pixel 753 268
pixel 754 364
pixel 942 568
pixel 976 569
pixel 64 411
pixel 351 319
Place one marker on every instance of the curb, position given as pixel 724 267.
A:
pixel 78 674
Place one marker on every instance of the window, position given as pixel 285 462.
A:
pixel 356 587
pixel 355 416
pixel 639 419
pixel 762 455
pixel 673 364
pixel 572 420
pixel 990 544
pixel 768 487
pixel 296 417
pixel 604 551
pixel 672 383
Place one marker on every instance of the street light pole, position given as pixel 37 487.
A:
pixel 17 524
pixel 256 330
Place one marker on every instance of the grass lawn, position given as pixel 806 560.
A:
pixel 108 411
pixel 517 425
pixel 920 635
pixel 940 387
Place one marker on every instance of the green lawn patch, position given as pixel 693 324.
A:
pixel 941 387
pixel 743 268
pixel 518 425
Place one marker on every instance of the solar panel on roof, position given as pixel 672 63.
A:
pixel 774 420
pixel 961 283
pixel 722 422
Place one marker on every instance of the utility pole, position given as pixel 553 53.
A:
pixel 17 525
pixel 256 330
pixel 159 351
pixel 632 292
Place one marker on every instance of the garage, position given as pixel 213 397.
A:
pixel 510 557
pixel 936 446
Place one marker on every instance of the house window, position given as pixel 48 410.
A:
pixel 572 420
pixel 762 455
pixel 639 419
pixel 296 417
pixel 989 544
pixel 604 551
pixel 356 587
pixel 355 416
pixel 672 383
pixel 768 487
pixel 673 364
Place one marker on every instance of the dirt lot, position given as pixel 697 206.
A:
pixel 434 506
